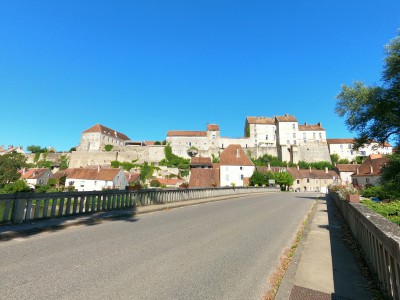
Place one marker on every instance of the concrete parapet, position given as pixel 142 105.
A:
pixel 380 242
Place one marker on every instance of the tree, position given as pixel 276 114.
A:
pixel 373 112
pixel 335 158
pixel 284 179
pixel 9 166
pixel 36 149
pixel 19 185
pixel 258 178
pixel 64 162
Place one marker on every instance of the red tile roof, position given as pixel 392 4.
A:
pixel 201 161
pixel 88 173
pixel 340 141
pixel 186 133
pixel 34 173
pixel 372 165
pixel 132 177
pixel 234 155
pixel 107 131
pixel 201 178
pixel 261 120
pixel 310 127
pixel 286 118
pixel 169 181
pixel 212 127
pixel 347 167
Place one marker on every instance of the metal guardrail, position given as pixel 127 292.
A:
pixel 380 241
pixel 20 207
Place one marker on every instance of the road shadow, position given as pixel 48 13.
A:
pixel 349 275
pixel 34 227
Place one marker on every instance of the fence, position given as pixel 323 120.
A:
pixel 380 242
pixel 20 207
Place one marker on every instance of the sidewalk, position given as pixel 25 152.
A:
pixel 323 267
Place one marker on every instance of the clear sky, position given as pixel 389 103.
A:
pixel 146 67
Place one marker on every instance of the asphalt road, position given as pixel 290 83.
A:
pixel 218 250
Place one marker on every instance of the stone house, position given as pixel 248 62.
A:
pixel 312 180
pixel 369 172
pixel 235 166
pixel 94 179
pixel 36 176
pixel 97 136
pixel 345 172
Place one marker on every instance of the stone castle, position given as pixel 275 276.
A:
pixel 280 136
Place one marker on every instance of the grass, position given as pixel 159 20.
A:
pixel 390 210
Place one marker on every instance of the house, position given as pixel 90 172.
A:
pixel 235 166
pixel 345 171
pixel 36 176
pixel 97 136
pixel 200 162
pixel 94 179
pixel 369 172
pixel 345 149
pixel 312 180
pixel 169 182
pixel 132 177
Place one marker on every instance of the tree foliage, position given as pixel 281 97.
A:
pixel 373 112
pixel 174 161
pixel 9 166
pixel 36 149
pixel 284 179
pixel 258 178
pixel 19 185
pixel 108 147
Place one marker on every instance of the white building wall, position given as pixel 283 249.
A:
pixel 234 174
pixel 262 134
pixel 287 133
pixel 88 185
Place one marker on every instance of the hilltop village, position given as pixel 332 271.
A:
pixel 212 160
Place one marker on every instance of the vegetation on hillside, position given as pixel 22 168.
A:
pixel 174 161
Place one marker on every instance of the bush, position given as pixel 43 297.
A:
pixel 108 147
pixel 155 183
pixel 378 191
pixel 390 211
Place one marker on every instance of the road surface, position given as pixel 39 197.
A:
pixel 218 250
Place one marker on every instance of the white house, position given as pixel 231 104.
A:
pixel 98 135
pixel 344 148
pixel 369 172
pixel 235 166
pixel 85 179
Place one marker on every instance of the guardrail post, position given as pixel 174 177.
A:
pixel 19 209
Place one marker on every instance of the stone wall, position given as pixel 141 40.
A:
pixel 313 152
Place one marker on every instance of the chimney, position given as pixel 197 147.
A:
pixel 237 152
pixel 306 123
pixel 319 124
pixel 326 170
pixel 309 168
pixel 298 168
pixel 358 171
pixel 98 168
pixel 371 169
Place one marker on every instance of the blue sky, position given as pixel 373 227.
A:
pixel 146 67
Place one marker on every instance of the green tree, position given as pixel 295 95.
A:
pixel 146 171
pixel 373 112
pixel 36 149
pixel 284 179
pixel 19 185
pixel 335 158
pixel 64 162
pixel 9 166
pixel 258 178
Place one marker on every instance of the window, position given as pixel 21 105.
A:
pixel 304 136
pixel 313 135
pixel 266 137
pixel 241 177
pixel 294 135
pixel 298 181
pixel 95 182
pixel 320 136
pixel 294 142
pixel 241 168
pixel 367 180
pixel 308 180
pixel 294 126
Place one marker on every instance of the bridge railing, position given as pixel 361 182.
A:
pixel 380 241
pixel 20 207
